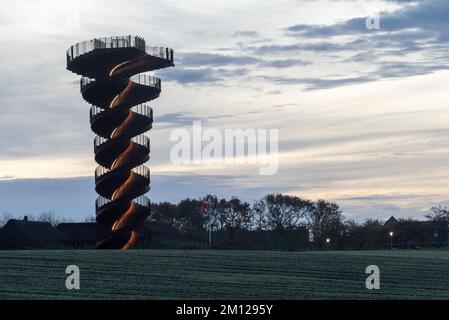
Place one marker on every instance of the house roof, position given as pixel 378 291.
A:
pixel 390 222
pixel 81 232
pixel 23 234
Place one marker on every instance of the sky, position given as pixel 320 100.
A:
pixel 360 112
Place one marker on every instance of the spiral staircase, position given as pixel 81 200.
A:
pixel 114 82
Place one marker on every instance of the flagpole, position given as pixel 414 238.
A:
pixel 205 209
pixel 210 232
pixel 210 227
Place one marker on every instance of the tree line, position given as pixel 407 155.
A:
pixel 280 221
pixel 285 222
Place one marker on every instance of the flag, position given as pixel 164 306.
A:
pixel 204 206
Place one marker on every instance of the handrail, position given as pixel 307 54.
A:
pixel 160 52
pixel 141 170
pixel 85 81
pixel 142 109
pixel 141 200
pixel 143 79
pixel 83 47
pixel 141 139
pixel 98 141
pixel 147 80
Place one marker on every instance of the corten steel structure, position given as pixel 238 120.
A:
pixel 112 82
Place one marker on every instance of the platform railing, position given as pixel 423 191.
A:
pixel 141 201
pixel 141 139
pixel 142 109
pixel 147 80
pixel 85 81
pixel 160 52
pixel 141 170
pixel 81 48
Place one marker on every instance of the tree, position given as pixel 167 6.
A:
pixel 438 214
pixel 413 232
pixel 189 219
pixel 211 215
pixel 90 218
pixel 440 218
pixel 51 217
pixel 259 217
pixel 374 234
pixel 354 235
pixel 281 213
pixel 164 211
pixel 324 220
pixel 233 215
pixel 6 216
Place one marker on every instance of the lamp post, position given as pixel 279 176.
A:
pixel 328 241
pixel 391 240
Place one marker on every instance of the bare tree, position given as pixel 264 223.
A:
pixel 90 218
pixel 234 214
pixel 51 217
pixel 324 220
pixel 280 212
pixel 438 214
pixel 5 217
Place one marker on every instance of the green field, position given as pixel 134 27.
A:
pixel 170 274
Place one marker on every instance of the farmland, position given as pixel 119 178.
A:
pixel 202 274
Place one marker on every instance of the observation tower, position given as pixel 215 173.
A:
pixel 114 82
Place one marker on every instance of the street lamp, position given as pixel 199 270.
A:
pixel 328 241
pixel 391 240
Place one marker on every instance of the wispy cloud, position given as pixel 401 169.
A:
pixel 347 131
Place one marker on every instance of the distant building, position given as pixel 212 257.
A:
pixel 24 234
pixel 392 222
pixel 79 235
pixel 415 233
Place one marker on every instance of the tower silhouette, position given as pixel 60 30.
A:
pixel 113 83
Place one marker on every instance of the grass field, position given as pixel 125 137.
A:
pixel 170 274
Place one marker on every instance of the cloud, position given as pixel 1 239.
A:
pixel 342 138
pixel 382 212
pixel 384 197
pixel 286 63
pixel 179 119
pixel 319 84
pixel 190 76
pixel 75 197
pixel 201 59
pixel 243 33
pixel 412 41
pixel 386 70
pixel 201 76
pixel 430 16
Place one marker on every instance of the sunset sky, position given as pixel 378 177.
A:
pixel 362 114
